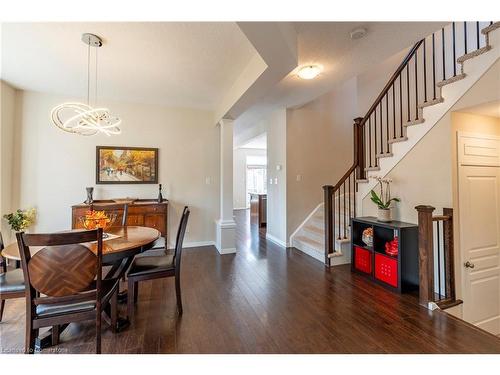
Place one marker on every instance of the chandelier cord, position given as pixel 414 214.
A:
pixel 88 73
pixel 95 94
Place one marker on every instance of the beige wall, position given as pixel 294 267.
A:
pixel 54 167
pixel 7 111
pixel 275 125
pixel 319 149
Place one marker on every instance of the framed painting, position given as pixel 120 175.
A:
pixel 126 165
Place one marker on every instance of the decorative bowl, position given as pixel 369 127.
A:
pixel 97 219
pixel 124 200
pixel 367 237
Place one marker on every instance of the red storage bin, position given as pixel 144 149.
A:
pixel 386 270
pixel 362 259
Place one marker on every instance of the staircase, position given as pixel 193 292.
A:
pixel 435 73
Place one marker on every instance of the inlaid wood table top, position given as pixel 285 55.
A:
pixel 130 238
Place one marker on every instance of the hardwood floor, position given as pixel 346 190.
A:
pixel 267 300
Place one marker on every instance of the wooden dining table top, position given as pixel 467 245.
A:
pixel 129 238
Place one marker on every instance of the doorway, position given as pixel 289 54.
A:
pixel 479 224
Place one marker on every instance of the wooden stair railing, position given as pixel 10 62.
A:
pixel 436 258
pixel 430 64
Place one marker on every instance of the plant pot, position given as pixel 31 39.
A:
pixel 384 215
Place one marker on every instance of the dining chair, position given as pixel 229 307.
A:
pixel 64 283
pixel 118 209
pixel 11 282
pixel 150 267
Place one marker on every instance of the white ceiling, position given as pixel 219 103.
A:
pixel 329 44
pixel 259 142
pixel 485 109
pixel 186 64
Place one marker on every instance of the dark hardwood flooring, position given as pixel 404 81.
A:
pixel 267 300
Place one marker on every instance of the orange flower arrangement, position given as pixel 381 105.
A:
pixel 97 219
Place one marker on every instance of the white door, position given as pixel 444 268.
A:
pixel 479 217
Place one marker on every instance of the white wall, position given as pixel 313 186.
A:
pixel 53 167
pixel 7 114
pixel 275 125
pixel 239 174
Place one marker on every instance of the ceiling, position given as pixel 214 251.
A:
pixel 329 44
pixel 259 142
pixel 184 64
pixel 485 109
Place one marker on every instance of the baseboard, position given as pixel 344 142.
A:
pixel 227 251
pixel 276 240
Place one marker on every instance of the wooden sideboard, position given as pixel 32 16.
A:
pixel 142 212
pixel 258 208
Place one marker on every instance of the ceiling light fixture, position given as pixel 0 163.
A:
pixel 358 33
pixel 83 119
pixel 309 71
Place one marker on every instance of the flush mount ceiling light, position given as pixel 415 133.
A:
pixel 309 71
pixel 358 33
pixel 83 119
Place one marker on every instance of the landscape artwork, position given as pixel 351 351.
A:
pixel 126 165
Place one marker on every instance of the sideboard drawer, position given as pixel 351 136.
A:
pixel 155 221
pixel 135 220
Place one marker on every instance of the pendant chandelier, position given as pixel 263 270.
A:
pixel 81 118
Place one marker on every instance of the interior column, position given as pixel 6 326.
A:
pixel 225 225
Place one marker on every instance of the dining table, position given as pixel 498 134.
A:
pixel 120 245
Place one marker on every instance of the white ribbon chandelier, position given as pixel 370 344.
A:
pixel 82 118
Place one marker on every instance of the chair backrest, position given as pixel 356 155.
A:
pixel 3 263
pixel 121 211
pixel 63 267
pixel 180 237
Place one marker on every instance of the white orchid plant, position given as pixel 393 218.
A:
pixel 384 200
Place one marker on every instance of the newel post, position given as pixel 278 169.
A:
pixel 425 254
pixel 359 148
pixel 328 199
pixel 449 254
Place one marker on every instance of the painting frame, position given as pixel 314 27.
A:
pixel 98 162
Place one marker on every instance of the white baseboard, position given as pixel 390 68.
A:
pixel 227 251
pixel 276 240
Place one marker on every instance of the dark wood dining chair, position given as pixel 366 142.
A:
pixel 150 267
pixel 64 283
pixel 121 210
pixel 11 282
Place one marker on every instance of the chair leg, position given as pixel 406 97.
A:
pixel 31 335
pixel 98 332
pixel 114 310
pixel 2 305
pixel 55 335
pixel 130 299
pixel 136 291
pixel 178 293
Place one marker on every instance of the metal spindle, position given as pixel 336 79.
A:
pixel 434 66
pixel 465 36
pixel 375 134
pixel 425 74
pixel 393 112
pixel 345 235
pixel 454 51
pixel 416 86
pixel 477 34
pixel 408 89
pixel 444 61
pixel 349 190
pixel 370 140
pixel 381 130
pixel 439 260
pixel 446 294
pixel 338 195
pixel 387 120
pixel 401 104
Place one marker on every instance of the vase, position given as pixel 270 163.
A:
pixel 90 199
pixel 160 196
pixel 384 215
